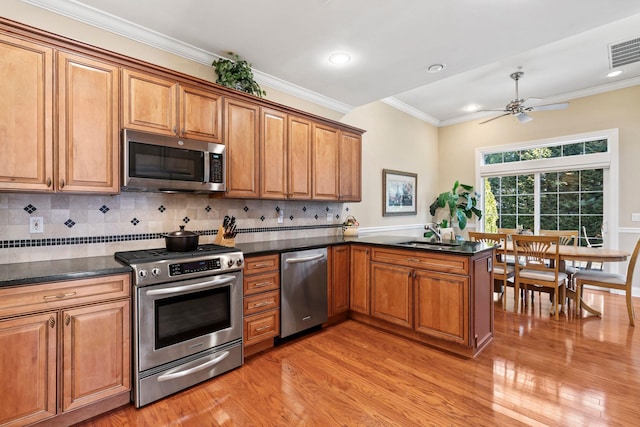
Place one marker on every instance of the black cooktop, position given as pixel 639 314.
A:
pixel 153 255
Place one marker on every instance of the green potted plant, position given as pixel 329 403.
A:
pixel 461 202
pixel 237 74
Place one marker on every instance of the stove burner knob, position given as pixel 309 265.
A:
pixel 142 273
pixel 230 263
pixel 155 271
pixel 239 262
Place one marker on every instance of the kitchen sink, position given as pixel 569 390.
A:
pixel 429 245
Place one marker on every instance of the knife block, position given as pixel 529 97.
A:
pixel 220 240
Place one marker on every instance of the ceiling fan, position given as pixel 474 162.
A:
pixel 517 108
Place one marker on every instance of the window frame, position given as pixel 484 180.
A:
pixel 607 161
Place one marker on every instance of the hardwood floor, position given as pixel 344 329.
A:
pixel 538 371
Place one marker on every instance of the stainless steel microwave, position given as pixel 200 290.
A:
pixel 169 164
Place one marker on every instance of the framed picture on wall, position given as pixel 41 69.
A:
pixel 399 191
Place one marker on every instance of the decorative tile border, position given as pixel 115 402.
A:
pixel 30 243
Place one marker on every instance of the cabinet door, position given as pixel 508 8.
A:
pixel 26 115
pixel 391 294
pixel 273 154
pixel 28 356
pixel 149 103
pixel 88 102
pixel 339 280
pixel 299 160
pixel 442 306
pixel 95 353
pixel 200 114
pixel 243 152
pixel 359 280
pixel 350 167
pixel 325 162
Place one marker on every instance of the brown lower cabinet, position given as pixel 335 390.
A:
pixel 444 300
pixel 65 350
pixel 261 302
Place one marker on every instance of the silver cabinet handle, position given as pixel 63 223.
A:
pixel 180 374
pixel 304 259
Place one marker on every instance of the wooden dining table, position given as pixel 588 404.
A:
pixel 583 253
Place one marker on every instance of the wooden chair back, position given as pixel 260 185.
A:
pixel 508 231
pixel 501 271
pixel 567 237
pixel 540 258
pixel 610 281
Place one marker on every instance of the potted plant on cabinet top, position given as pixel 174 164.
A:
pixel 461 202
pixel 236 74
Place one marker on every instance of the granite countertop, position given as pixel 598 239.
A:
pixel 275 246
pixel 29 273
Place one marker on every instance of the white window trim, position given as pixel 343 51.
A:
pixel 607 161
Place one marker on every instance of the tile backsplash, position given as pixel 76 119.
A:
pixel 88 225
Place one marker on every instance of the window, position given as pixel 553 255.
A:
pixel 559 184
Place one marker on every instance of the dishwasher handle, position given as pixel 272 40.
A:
pixel 303 259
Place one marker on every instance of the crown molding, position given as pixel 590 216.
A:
pixel 405 108
pixel 105 21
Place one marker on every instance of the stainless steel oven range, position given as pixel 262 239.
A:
pixel 187 317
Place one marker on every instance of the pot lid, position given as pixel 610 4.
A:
pixel 182 233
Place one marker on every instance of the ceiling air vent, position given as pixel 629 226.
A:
pixel 624 53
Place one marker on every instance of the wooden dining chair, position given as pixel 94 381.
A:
pixel 567 238
pixel 589 265
pixel 501 271
pixel 537 273
pixel 602 279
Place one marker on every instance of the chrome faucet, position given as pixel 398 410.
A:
pixel 435 229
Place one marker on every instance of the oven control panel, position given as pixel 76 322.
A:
pixel 194 266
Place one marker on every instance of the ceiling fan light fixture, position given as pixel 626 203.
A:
pixel 339 58
pixel 524 117
pixel 614 73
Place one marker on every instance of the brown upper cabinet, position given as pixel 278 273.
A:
pixel 241 136
pixel 285 156
pixel 337 164
pixel 88 130
pixel 161 105
pixel 26 115
pixel 64 104
pixel 85 158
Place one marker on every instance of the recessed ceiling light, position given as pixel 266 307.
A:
pixel 339 58
pixel 614 73
pixel 435 68
pixel 471 108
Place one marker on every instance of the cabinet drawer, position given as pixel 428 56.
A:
pixel 261 283
pixel 261 302
pixel 261 326
pixel 261 264
pixel 422 259
pixel 26 299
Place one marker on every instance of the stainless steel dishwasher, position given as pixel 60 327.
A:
pixel 303 290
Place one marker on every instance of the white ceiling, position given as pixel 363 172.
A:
pixel 562 46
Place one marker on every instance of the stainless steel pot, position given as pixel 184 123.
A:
pixel 181 240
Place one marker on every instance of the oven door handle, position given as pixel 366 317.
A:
pixel 186 288
pixel 180 374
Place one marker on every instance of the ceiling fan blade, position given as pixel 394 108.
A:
pixel 493 118
pixel 501 110
pixel 550 107
pixel 524 117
